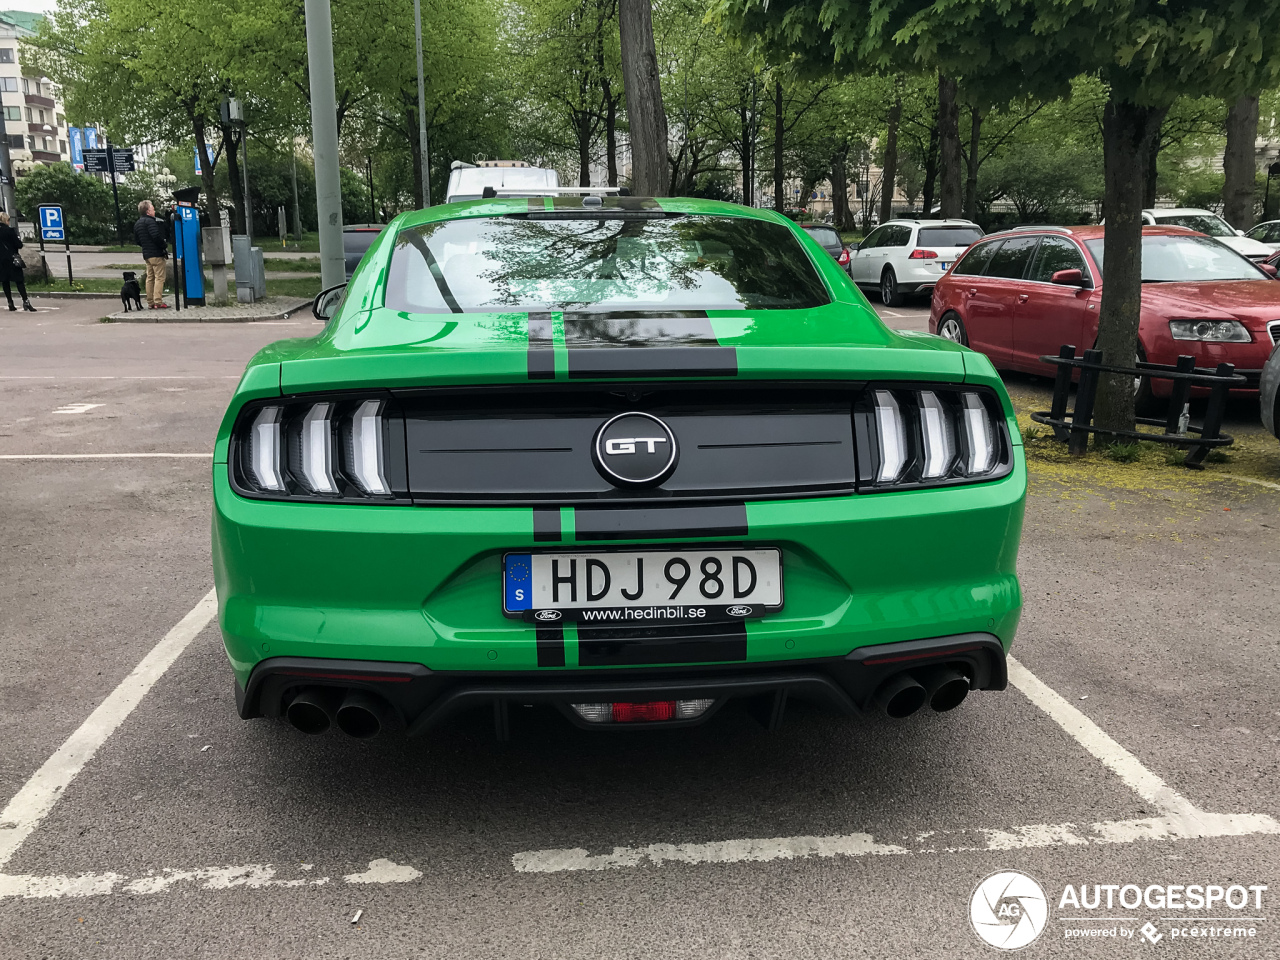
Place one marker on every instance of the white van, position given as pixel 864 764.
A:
pixel 468 181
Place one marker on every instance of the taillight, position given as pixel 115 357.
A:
pixel 843 259
pixel 925 435
pixel 336 449
pixel 923 255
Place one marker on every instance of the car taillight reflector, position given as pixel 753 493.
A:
pixel 893 437
pixel 979 441
pixel 920 254
pixel 938 434
pixel 648 712
pixel 264 449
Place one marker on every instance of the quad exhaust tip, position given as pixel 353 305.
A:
pixel 361 715
pixel 900 696
pixel 942 688
pixel 311 709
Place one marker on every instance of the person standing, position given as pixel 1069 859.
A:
pixel 11 265
pixel 148 233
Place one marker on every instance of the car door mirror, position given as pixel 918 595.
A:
pixel 1239 233
pixel 1068 278
pixel 1269 269
pixel 326 303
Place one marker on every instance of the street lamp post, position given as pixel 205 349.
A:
pixel 324 141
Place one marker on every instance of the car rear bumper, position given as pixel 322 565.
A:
pixel 421 698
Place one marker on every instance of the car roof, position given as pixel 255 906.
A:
pixel 501 206
pixel 1092 231
pixel 1180 212
pixel 930 223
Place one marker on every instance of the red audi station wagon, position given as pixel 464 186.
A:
pixel 1022 293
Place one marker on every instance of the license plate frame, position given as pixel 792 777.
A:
pixel 689 607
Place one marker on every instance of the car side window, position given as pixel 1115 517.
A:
pixel 897 236
pixel 974 262
pixel 1056 253
pixel 873 238
pixel 1013 258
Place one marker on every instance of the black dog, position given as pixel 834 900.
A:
pixel 130 292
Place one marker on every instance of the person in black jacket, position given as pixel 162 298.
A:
pixel 149 234
pixel 11 264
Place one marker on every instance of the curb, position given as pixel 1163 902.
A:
pixel 177 316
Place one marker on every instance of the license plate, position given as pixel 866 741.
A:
pixel 944 264
pixel 643 586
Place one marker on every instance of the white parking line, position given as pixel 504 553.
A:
pixel 39 794
pixel 78 408
pixel 1261 483
pixel 254 876
pixel 1180 819
pixel 102 456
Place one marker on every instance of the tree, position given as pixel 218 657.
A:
pixel 645 113
pixel 1148 52
pixel 1239 166
pixel 949 141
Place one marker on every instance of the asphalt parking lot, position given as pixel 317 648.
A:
pixel 1138 744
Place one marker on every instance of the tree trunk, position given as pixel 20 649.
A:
pixel 645 112
pixel 206 171
pixel 1239 163
pixel 1129 134
pixel 840 190
pixel 610 133
pixel 1150 180
pixel 582 122
pixel 971 170
pixel 949 137
pixel 779 132
pixel 930 174
pixel 889 172
pixel 236 182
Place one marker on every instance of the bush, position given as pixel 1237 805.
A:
pixel 86 201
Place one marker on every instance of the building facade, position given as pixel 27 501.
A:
pixel 35 122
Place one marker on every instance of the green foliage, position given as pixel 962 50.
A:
pixel 1046 183
pixel 86 201
pixel 1125 452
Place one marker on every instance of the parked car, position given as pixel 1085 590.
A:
pixel 467 181
pixel 519 419
pixel 901 257
pixel 1269 392
pixel 830 241
pixel 1211 225
pixel 357 238
pixel 1023 293
pixel 1267 234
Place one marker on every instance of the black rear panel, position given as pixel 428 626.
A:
pixel 734 443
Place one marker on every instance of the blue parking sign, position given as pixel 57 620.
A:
pixel 51 227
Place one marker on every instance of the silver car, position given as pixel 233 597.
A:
pixel 1268 391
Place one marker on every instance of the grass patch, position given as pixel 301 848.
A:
pixel 294 287
pixel 81 285
pixel 1124 452
pixel 284 264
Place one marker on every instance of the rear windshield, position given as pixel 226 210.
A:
pixel 1199 222
pixel 1185 259
pixel 960 236
pixel 826 236
pixel 358 241
pixel 493 264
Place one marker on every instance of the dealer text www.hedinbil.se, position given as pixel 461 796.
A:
pixel 645 613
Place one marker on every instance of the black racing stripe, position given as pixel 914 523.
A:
pixel 633 646
pixel 546 523
pixel 660 523
pixel 542 353
pixel 640 344
pixel 632 203
pixel 537 204
pixel 550 646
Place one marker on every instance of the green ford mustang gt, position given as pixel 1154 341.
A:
pixel 631 459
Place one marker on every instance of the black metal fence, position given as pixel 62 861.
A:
pixel 1074 427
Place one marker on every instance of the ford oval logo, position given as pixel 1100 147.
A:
pixel 547 615
pixel 739 611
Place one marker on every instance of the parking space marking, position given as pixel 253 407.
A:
pixel 102 456
pixel 253 876
pixel 1179 820
pixel 38 795
pixel 78 408
pixel 1261 483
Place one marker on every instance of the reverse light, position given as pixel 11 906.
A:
pixel 893 437
pixel 316 450
pixel 264 449
pixel 1213 331
pixel 364 449
pixel 938 434
pixel 923 255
